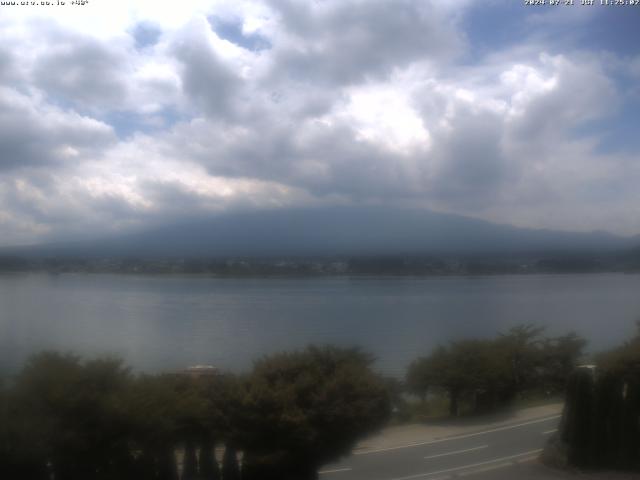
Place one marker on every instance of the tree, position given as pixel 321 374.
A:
pixel 153 403
pixel 306 408
pixel 559 357
pixel 521 345
pixel 218 422
pixel 489 373
pixel 230 468
pixel 623 360
pixel 421 374
pixel 578 417
pixel 21 454
pixel 73 414
pixel 600 422
pixel 469 369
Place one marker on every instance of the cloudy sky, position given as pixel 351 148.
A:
pixel 119 115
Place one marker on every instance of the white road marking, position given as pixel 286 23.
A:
pixel 527 459
pixel 457 451
pixel 490 468
pixel 549 431
pixel 472 465
pixel 335 470
pixel 457 437
pixel 498 466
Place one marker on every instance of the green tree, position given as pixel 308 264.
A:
pixel 306 408
pixel 559 357
pixel 522 347
pixel 600 422
pixel 421 374
pixel 74 415
pixel 472 370
pixel 623 360
pixel 153 403
pixel 230 467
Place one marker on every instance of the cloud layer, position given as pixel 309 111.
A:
pixel 119 119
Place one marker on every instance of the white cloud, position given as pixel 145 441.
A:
pixel 384 115
pixel 353 101
pixel 33 132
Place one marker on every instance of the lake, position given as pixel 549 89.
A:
pixel 168 322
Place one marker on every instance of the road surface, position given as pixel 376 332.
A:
pixel 497 452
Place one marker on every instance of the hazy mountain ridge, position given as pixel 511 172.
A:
pixel 344 231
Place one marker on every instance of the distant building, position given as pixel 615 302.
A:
pixel 200 371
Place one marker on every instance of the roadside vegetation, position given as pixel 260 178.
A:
pixel 600 428
pixel 71 419
pixel 476 376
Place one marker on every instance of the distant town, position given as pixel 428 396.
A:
pixel 373 265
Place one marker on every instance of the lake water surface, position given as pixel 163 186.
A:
pixel 160 323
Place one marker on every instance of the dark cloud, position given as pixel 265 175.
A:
pixel 82 72
pixel 475 160
pixel 569 100
pixel 472 170
pixel 375 101
pixel 347 42
pixel 206 79
pixel 32 135
pixel 319 158
pixel 175 197
pixel 7 66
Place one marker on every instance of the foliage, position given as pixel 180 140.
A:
pixel 624 360
pixel 521 347
pixel 68 415
pixel 488 373
pixel 305 408
pixel 230 467
pixel 68 418
pixel 471 369
pixel 600 424
pixel 558 359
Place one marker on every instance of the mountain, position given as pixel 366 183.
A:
pixel 333 232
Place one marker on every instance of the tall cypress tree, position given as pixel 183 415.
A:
pixel 230 467
pixel 209 469
pixel 579 417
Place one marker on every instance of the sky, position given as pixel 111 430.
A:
pixel 118 116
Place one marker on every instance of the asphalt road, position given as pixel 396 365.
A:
pixel 495 453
